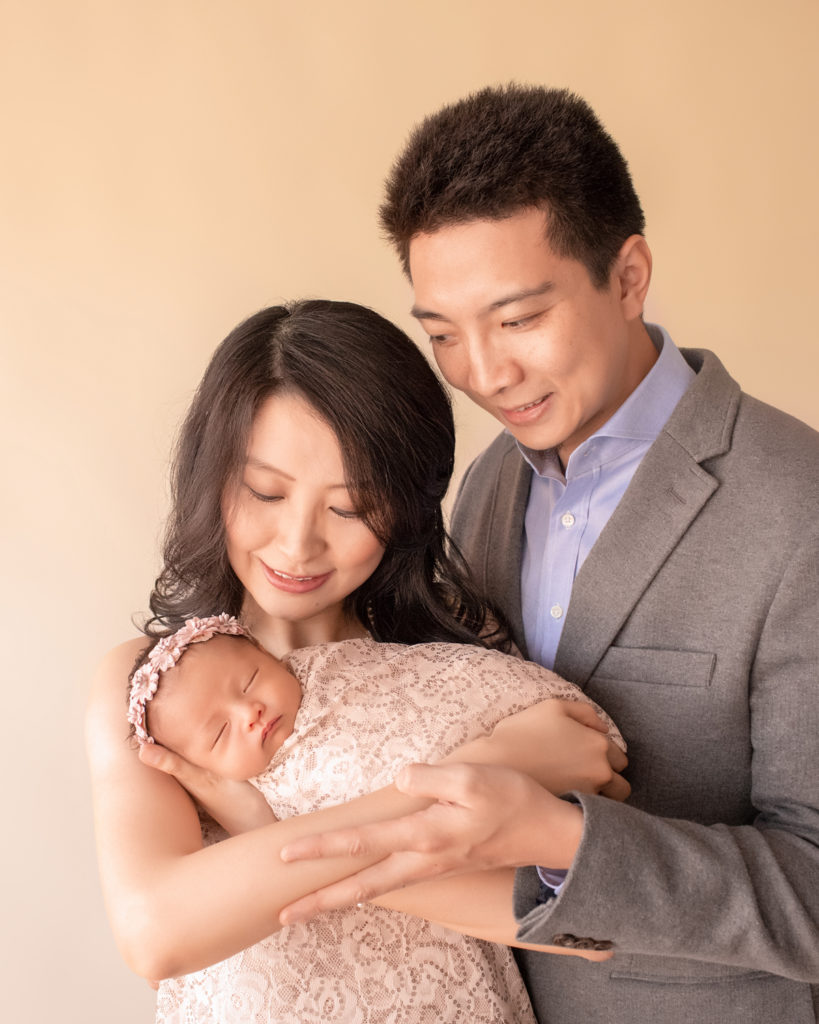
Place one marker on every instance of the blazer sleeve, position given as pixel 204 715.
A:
pixel 745 894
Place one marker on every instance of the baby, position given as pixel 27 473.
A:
pixel 227 708
pixel 326 724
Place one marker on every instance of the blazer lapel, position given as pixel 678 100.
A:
pixel 505 540
pixel 667 493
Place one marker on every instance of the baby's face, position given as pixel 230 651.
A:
pixel 227 706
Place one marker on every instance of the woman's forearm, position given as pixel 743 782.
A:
pixel 196 909
pixel 175 906
pixel 477 904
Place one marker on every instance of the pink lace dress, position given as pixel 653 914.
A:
pixel 367 710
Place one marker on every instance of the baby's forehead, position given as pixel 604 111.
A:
pixel 221 650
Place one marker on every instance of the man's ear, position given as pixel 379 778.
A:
pixel 632 275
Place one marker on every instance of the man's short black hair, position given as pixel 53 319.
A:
pixel 509 148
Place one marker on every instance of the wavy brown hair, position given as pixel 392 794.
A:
pixel 393 421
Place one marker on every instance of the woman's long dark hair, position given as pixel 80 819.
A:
pixel 394 425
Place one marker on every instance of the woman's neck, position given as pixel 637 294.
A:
pixel 280 636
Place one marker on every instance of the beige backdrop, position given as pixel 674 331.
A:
pixel 170 166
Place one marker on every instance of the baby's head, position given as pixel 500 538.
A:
pixel 225 705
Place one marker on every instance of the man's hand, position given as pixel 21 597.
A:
pixel 482 816
pixel 237 806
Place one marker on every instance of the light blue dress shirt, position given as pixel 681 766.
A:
pixel 566 514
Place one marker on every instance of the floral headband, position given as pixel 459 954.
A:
pixel 164 656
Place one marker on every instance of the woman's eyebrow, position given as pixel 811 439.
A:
pixel 256 463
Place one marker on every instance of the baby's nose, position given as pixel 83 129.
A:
pixel 254 714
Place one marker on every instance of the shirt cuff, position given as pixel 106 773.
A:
pixel 551 880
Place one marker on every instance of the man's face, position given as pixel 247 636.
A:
pixel 524 332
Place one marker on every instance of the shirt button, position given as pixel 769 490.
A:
pixel 567 519
pixel 556 611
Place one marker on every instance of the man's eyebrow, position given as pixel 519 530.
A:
pixel 528 293
pixel 506 300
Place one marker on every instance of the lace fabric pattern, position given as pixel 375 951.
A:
pixel 367 710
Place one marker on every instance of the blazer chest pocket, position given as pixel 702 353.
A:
pixel 655 666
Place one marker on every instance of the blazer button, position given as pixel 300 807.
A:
pixel 568 941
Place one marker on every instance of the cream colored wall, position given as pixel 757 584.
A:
pixel 170 167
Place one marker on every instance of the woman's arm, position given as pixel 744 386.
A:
pixel 176 907
pixel 478 904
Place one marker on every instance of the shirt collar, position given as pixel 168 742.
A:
pixel 640 418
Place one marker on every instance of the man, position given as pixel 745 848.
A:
pixel 651 533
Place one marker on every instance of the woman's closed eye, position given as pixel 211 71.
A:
pixel 219 735
pixel 263 497
pixel 345 513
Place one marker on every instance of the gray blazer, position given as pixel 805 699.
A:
pixel 695 622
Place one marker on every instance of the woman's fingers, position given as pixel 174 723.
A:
pixel 164 760
pixel 584 713
pixel 237 806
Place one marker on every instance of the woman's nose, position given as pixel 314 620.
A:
pixel 299 540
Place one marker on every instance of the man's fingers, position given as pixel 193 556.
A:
pixel 376 840
pixel 386 876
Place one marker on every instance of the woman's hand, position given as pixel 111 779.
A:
pixel 237 806
pixel 562 744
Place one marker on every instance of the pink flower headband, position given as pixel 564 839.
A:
pixel 164 656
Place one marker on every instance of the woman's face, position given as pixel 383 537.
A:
pixel 294 537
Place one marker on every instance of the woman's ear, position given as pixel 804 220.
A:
pixel 633 275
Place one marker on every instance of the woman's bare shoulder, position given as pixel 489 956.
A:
pixel 105 717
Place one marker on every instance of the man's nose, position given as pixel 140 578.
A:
pixel 490 368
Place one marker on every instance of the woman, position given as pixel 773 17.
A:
pixel 306 499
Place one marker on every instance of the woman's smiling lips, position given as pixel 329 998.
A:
pixel 293 584
pixel 527 413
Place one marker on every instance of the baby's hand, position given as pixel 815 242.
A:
pixel 237 806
